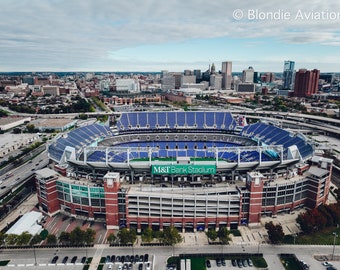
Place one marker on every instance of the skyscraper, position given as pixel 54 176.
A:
pixel 288 72
pixel 226 73
pixel 306 82
pixel 248 75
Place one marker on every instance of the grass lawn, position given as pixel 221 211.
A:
pixel 3 263
pixel 289 262
pixel 259 262
pixel 324 237
pixel 198 263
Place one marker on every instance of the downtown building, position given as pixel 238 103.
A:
pixel 306 82
pixel 227 74
pixel 288 74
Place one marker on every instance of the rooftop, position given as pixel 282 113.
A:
pixel 28 222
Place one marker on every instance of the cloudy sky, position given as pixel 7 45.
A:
pixel 151 35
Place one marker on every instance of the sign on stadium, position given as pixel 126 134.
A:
pixel 183 169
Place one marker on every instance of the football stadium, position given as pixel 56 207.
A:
pixel 194 170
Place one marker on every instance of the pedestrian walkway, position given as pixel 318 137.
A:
pixel 97 256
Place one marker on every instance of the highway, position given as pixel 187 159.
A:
pixel 13 178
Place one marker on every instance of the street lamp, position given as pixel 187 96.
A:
pixel 35 256
pixel 335 236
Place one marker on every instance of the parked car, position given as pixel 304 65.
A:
pixel 223 262
pixel 148 266
pixel 65 260
pixel 74 259
pixel 326 264
pixel 54 260
pixel 208 264
pixel 146 257
pixel 218 262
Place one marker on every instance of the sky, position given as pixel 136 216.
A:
pixel 155 35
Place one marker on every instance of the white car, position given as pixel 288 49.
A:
pixel 326 264
pixel 147 266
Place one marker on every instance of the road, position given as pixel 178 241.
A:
pixel 160 254
pixel 19 174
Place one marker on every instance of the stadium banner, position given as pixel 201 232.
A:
pixel 183 169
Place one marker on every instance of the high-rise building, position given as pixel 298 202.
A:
pixel 248 75
pixel 198 74
pixel 288 73
pixel 212 69
pixel 268 77
pixel 226 73
pixel 185 79
pixel 216 81
pixel 306 82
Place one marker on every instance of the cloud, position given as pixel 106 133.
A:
pixel 84 34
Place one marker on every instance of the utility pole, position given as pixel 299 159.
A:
pixel 335 236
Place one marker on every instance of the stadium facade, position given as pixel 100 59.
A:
pixel 192 170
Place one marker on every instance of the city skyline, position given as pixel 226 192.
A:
pixel 116 36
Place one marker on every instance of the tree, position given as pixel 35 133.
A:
pixel 64 237
pixel 223 235
pixel 147 235
pixel 77 236
pixel 24 238
pixel 111 238
pixel 90 235
pixel 275 232
pixel 51 239
pixel 171 236
pixel 2 237
pixel 35 239
pixel 44 234
pixel 211 234
pixel 30 128
pixel 126 236
pixel 11 239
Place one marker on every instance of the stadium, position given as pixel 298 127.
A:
pixel 193 170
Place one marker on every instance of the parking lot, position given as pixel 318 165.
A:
pixel 128 262
pixel 229 264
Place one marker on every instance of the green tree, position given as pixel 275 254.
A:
pixel 30 128
pixel 111 238
pixel 24 238
pixel 90 235
pixel 64 237
pixel 44 234
pixel 51 239
pixel 82 116
pixel 275 232
pixel 2 237
pixel 223 235
pixel 171 236
pixel 126 236
pixel 77 236
pixel 35 239
pixel 211 234
pixel 11 239
pixel 147 235
pixel 158 235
